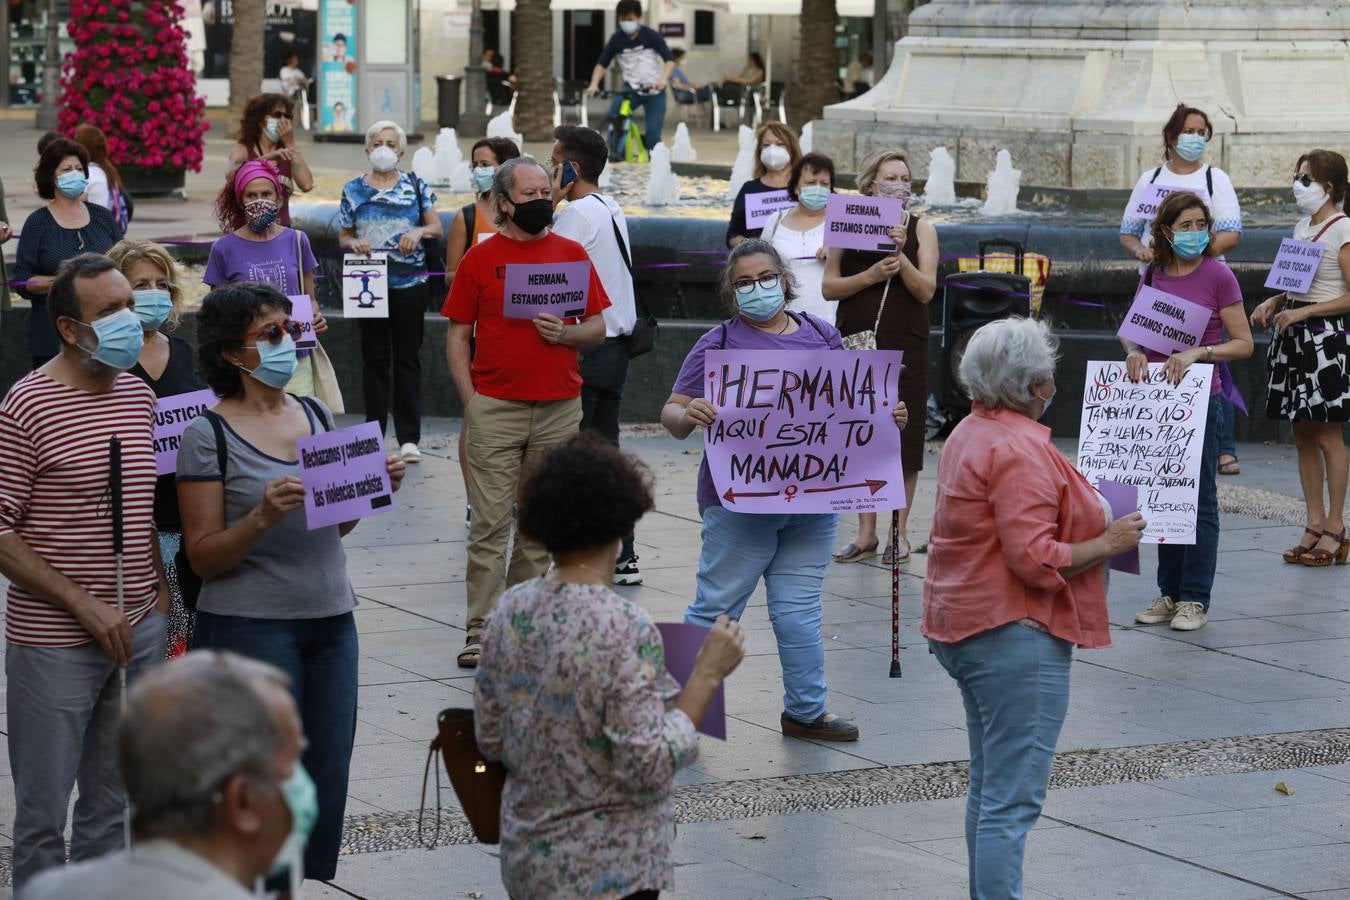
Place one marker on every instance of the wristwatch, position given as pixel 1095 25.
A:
pixel 1209 354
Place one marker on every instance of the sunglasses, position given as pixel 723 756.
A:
pixel 274 332
pixel 1305 180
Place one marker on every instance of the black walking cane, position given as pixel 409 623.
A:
pixel 895 593
pixel 115 493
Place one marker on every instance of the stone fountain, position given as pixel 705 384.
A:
pixel 1078 91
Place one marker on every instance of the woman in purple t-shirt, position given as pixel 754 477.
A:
pixel 1181 234
pixel 790 552
pixel 257 247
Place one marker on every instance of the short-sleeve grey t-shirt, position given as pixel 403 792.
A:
pixel 291 572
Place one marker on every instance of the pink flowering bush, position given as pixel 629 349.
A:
pixel 129 75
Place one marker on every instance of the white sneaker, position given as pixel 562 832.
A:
pixel 409 453
pixel 1162 610
pixel 1190 617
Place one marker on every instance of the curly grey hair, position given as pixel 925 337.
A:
pixel 1004 359
pixel 755 247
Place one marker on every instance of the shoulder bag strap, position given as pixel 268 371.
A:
pixel 627 260
pixel 299 262
pixel 1148 275
pixel 1329 222
pixel 470 224
pixel 217 426
pixel 310 404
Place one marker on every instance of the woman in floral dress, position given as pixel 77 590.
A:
pixel 573 696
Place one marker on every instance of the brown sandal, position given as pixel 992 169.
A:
pixel 1318 558
pixel 1295 554
pixel 468 657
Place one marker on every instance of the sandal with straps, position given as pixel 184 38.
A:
pixel 1318 558
pixel 1295 554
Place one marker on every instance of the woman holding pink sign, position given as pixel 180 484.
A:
pixel 1309 359
pixel 1181 234
pixel 776 155
pixel 886 296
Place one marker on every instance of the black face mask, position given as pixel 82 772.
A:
pixel 533 216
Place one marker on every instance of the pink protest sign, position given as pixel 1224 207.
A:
pixel 1295 265
pixel 862 223
pixel 1164 323
pixel 682 643
pixel 1145 203
pixel 172 417
pixel 533 289
pixel 805 432
pixel 758 207
pixel 345 475
pixel 302 311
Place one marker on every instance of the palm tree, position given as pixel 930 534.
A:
pixel 817 75
pixel 246 56
pixel 534 68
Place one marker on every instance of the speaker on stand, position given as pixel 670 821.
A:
pixel 970 300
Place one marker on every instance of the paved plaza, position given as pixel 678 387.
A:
pixel 1166 783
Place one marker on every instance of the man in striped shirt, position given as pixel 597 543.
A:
pixel 64 635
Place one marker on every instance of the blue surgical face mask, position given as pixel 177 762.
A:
pixel 628 26
pixel 119 339
pixel 761 304
pixel 1046 400
pixel 72 183
pixel 272 129
pixel 276 362
pixel 814 196
pixel 1191 147
pixel 153 307
pixel 1190 244
pixel 482 178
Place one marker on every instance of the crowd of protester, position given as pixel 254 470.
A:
pixel 570 690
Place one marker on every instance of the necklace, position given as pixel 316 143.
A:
pixel 605 579
pixel 787 320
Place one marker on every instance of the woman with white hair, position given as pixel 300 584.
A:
pixel 391 211
pixel 1015 580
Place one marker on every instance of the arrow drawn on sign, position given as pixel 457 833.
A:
pixel 870 484
pixel 730 496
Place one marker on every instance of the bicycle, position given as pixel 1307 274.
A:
pixel 622 134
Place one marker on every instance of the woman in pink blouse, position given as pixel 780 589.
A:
pixel 1015 580
pixel 573 696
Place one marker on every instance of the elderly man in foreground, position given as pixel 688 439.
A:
pixel 210 753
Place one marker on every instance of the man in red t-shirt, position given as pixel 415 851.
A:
pixel 522 389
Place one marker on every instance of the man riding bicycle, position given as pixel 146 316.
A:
pixel 646 63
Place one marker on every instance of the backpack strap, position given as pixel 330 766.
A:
pixel 316 411
pixel 470 223
pixel 1148 275
pixel 1156 173
pixel 218 426
pixel 1209 181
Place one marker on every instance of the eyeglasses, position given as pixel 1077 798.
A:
pixel 273 332
pixel 1305 180
pixel 747 286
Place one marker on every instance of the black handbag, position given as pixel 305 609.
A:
pixel 431 246
pixel 642 339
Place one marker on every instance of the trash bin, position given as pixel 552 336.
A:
pixel 447 100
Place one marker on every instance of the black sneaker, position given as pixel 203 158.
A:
pixel 468 516
pixel 626 571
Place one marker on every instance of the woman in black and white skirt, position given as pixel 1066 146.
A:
pixel 1309 368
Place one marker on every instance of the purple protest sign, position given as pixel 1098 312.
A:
pixel 302 311
pixel 1145 203
pixel 533 289
pixel 1124 499
pixel 1163 322
pixel 682 643
pixel 1295 265
pixel 805 432
pixel 758 207
pixel 172 417
pixel 862 223
pixel 345 475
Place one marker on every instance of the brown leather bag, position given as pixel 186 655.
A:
pixel 477 781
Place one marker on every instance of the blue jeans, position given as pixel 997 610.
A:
pixel 1224 416
pixel 1186 571
pixel 790 552
pixel 1015 686
pixel 319 656
pixel 656 112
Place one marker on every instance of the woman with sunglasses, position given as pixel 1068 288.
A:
pixel 1185 139
pixel 790 552
pixel 258 247
pixel 272 588
pixel 165 364
pixel 1309 359
pixel 266 133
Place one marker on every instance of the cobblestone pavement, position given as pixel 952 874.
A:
pixel 1165 784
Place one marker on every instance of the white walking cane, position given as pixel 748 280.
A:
pixel 115 493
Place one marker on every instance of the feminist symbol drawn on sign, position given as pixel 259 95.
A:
pixel 365 298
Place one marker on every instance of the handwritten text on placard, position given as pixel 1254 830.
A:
pixel 805 432
pixel 1150 435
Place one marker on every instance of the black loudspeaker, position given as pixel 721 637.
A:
pixel 972 299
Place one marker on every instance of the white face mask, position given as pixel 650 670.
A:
pixel 775 158
pixel 1309 199
pixel 383 159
